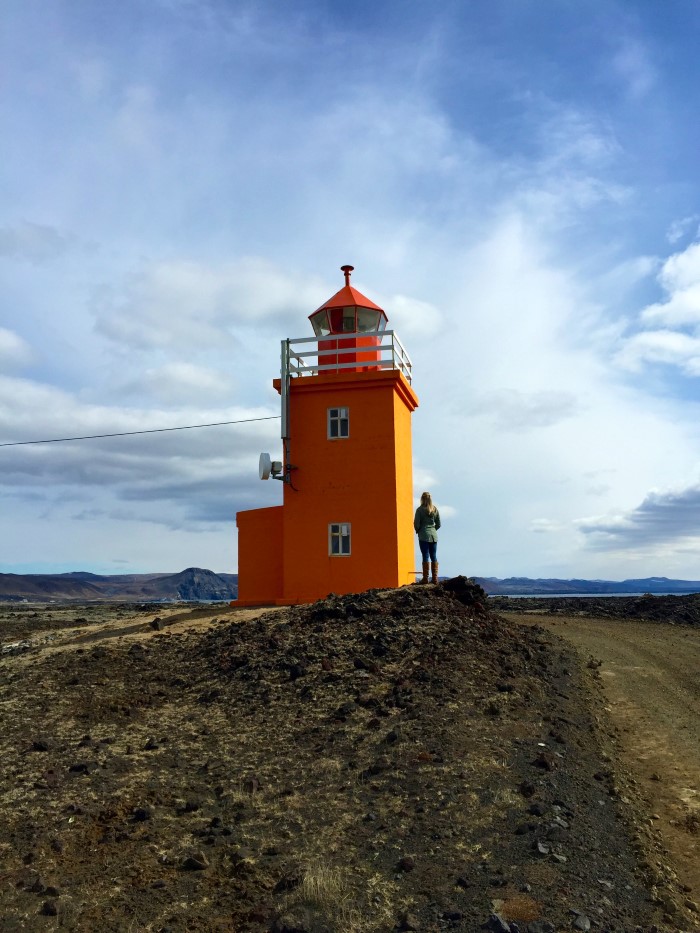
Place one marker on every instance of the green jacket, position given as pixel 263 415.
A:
pixel 426 525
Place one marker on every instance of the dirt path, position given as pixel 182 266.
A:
pixel 651 677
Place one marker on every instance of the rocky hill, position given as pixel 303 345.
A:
pixel 400 760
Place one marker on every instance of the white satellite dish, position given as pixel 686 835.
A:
pixel 265 466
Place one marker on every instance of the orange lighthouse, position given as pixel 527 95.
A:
pixel 345 524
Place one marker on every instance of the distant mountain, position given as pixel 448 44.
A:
pixel 192 584
pixel 524 586
pixel 196 584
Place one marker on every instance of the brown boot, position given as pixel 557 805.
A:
pixel 435 572
pixel 426 566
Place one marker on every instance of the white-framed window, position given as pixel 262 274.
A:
pixel 338 423
pixel 339 539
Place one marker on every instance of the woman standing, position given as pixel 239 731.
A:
pixel 426 523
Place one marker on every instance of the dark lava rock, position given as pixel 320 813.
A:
pixel 194 863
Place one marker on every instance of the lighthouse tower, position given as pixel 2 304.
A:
pixel 345 524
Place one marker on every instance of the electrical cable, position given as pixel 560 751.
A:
pixel 92 437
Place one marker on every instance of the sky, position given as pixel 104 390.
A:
pixel 516 183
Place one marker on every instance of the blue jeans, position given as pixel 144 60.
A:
pixel 429 550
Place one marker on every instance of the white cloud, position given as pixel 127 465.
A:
pixel 195 305
pixel 545 526
pixel 14 351
pixel 182 383
pixel 513 410
pixel 412 317
pixel 679 228
pixel 663 337
pixel 662 346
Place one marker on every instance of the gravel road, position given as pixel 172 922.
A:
pixel 650 675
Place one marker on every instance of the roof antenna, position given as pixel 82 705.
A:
pixel 347 270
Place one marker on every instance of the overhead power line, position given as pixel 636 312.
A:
pixel 92 437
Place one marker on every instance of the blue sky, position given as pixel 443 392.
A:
pixel 516 184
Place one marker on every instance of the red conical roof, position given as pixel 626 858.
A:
pixel 348 296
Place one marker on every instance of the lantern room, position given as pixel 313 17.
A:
pixel 349 313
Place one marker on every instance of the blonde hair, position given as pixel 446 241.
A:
pixel 426 500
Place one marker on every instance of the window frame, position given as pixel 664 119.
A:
pixel 338 420
pixel 339 535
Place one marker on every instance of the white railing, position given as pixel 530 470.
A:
pixel 309 360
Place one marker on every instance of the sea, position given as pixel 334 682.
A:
pixel 587 595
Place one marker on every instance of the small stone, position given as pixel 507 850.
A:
pixel 80 767
pixel 345 710
pixel 408 921
pixel 546 760
pixel 496 924
pixel 383 763
pixel 582 923
pixel 194 863
pixel 151 745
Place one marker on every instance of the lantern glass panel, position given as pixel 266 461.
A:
pixel 367 320
pixel 320 324
pixel 349 320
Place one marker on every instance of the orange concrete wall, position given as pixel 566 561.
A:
pixel 403 452
pixel 260 571
pixel 365 480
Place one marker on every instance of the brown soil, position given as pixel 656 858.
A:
pixel 397 760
